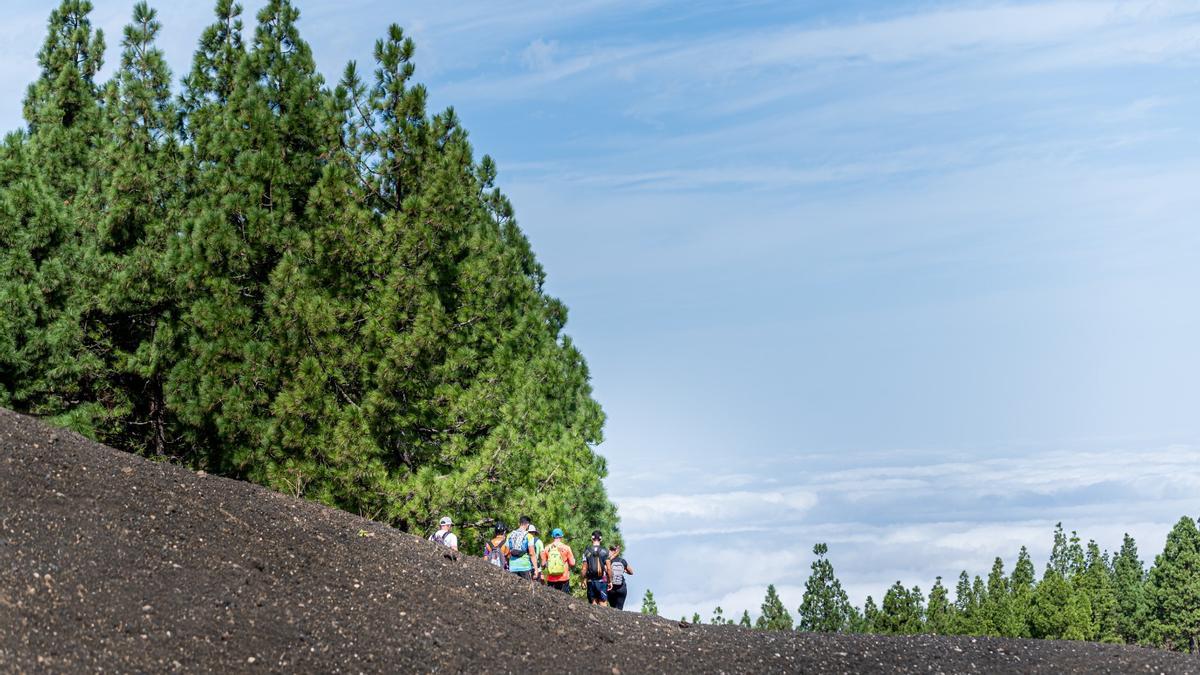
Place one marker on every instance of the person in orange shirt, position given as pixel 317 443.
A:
pixel 557 561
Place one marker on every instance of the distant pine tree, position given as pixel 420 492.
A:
pixel 902 612
pixel 1096 583
pixel 999 616
pixel 825 606
pixel 939 614
pixel 774 615
pixel 1129 578
pixel 1173 591
pixel 1057 611
pixel 649 606
pixel 1021 584
pixel 744 622
pixel 966 618
pixel 870 617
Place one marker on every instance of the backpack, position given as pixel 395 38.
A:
pixel 618 572
pixel 518 544
pixel 555 565
pixel 494 553
pixel 439 537
pixel 595 562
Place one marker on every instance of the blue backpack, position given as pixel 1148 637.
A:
pixel 518 544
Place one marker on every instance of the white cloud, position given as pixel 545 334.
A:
pixel 539 55
pixel 708 511
pixel 912 523
pixel 1152 472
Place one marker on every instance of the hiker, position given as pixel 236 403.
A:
pixel 557 561
pixel 444 536
pixel 517 548
pixel 618 568
pixel 595 560
pixel 493 551
pixel 536 547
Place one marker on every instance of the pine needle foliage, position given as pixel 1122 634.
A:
pixel 316 288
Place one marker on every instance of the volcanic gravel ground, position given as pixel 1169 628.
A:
pixel 109 562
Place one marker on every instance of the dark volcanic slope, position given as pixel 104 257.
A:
pixel 110 562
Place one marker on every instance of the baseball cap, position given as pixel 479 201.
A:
pixel 596 534
pixel 556 533
pixel 445 521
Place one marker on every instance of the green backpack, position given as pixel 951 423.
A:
pixel 555 565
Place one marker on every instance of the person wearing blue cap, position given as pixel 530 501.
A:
pixel 557 561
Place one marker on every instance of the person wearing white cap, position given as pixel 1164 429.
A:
pixel 536 546
pixel 444 536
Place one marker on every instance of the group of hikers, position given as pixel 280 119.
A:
pixel 523 553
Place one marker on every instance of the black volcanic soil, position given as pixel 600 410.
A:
pixel 109 562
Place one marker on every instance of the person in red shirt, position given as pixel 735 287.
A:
pixel 557 561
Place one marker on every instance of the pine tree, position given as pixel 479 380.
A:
pixel 1058 611
pixel 44 368
pixel 1060 559
pixel 451 319
pixel 649 606
pixel 1129 577
pixel 135 194
pixel 1066 555
pixel 320 291
pixel 1096 583
pixel 902 612
pixel 870 616
pixel 718 617
pixel 1173 591
pixel 1076 559
pixel 965 619
pixel 257 152
pixel 1022 584
pixel 774 615
pixel 1000 617
pixel 744 622
pixel 857 622
pixel 825 607
pixel 939 614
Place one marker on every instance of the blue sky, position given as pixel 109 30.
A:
pixel 916 279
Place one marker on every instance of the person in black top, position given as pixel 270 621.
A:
pixel 617 568
pixel 595 566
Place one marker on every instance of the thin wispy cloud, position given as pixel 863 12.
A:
pixel 1044 35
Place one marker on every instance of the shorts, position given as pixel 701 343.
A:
pixel 616 596
pixel 597 589
pixel 524 574
pixel 564 586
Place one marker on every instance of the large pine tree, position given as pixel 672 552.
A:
pixel 134 199
pixel 318 290
pixel 44 366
